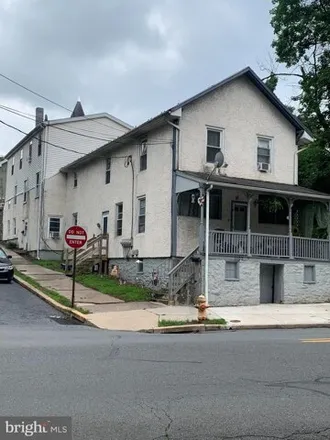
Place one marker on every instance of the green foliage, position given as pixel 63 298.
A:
pixel 169 323
pixel 302 42
pixel 108 286
pixel 272 204
pixel 272 82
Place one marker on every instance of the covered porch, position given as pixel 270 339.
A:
pixel 246 226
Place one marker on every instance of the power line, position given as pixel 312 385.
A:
pixel 49 100
pixel 33 92
pixel 70 149
pixel 46 142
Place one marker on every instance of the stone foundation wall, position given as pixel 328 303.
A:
pixel 129 271
pixel 298 292
pixel 246 290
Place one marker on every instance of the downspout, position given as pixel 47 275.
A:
pixel 207 241
pixel 41 189
pixel 174 207
pixel 133 199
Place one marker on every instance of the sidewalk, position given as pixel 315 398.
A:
pixel 110 313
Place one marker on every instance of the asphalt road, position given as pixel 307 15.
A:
pixel 126 386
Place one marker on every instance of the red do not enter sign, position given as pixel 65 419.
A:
pixel 76 237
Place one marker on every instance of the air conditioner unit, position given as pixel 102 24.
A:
pixel 143 148
pixel 54 235
pixel 263 167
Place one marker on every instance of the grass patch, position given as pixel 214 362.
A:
pixel 108 286
pixel 167 323
pixel 51 293
pixel 50 264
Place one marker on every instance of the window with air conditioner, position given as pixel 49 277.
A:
pixel 54 227
pixel 264 154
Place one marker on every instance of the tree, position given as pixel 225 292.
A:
pixel 302 42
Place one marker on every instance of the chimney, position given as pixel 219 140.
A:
pixel 39 115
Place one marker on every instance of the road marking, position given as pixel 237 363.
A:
pixel 316 341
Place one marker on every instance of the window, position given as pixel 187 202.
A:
pixel 21 160
pixel 213 144
pixel 39 145
pixel 15 195
pixel 8 227
pixel 107 171
pixel 231 271
pixel 25 191
pixel 75 180
pixel 142 215
pixel 139 264
pixel 37 185
pixel 273 210
pixel 188 204
pixel 13 166
pixel 119 219
pixel 14 226
pixel 264 145
pixel 309 274
pixel 54 225
pixel 30 152
pixel 143 156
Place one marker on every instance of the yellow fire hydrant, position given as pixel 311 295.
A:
pixel 202 307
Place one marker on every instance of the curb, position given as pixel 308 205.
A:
pixel 192 328
pixel 202 328
pixel 64 309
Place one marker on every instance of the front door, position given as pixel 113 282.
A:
pixel 239 216
pixel 105 220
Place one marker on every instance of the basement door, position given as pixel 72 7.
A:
pixel 271 283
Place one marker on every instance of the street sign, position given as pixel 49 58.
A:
pixel 76 237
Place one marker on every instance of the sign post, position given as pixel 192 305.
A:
pixel 76 238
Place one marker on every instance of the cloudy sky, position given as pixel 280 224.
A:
pixel 131 58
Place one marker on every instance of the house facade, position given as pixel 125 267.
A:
pixel 205 197
pixel 34 210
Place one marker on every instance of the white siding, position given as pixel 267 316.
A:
pixel 54 184
pixel 23 212
pixel 244 113
pixel 103 128
pixel 92 196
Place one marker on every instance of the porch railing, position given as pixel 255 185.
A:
pixel 265 245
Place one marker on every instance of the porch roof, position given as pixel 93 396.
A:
pixel 258 186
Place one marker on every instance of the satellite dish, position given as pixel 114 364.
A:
pixel 219 160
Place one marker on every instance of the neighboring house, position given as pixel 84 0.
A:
pixel 149 188
pixel 3 175
pixel 35 193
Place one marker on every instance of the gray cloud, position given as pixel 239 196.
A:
pixel 132 58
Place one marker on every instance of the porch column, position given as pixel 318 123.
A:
pixel 248 223
pixel 290 203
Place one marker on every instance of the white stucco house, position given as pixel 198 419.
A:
pixel 148 190
pixel 34 208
